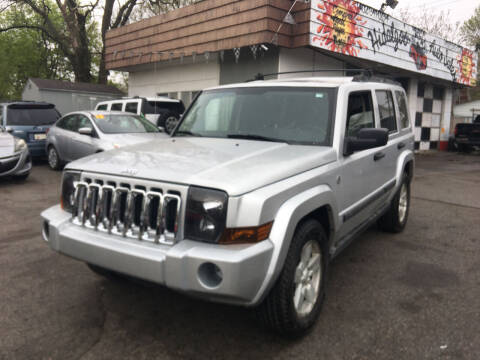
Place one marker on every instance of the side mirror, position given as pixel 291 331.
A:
pixel 9 129
pixel 85 131
pixel 367 138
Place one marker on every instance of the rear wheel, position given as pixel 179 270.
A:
pixel 53 158
pixel 395 219
pixel 295 301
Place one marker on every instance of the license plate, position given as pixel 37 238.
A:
pixel 40 136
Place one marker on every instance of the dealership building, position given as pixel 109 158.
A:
pixel 216 42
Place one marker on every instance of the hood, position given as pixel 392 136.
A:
pixel 7 144
pixel 235 166
pixel 132 139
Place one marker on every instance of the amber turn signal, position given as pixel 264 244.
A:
pixel 246 235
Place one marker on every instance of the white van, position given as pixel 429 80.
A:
pixel 162 111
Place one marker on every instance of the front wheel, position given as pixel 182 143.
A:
pixel 295 301
pixel 395 219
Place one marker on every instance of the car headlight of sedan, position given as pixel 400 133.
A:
pixel 20 145
pixel 68 190
pixel 206 215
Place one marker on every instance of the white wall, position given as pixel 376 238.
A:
pixel 171 78
pixel 306 59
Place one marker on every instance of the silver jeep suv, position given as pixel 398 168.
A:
pixel 257 189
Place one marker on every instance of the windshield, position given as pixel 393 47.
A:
pixel 122 124
pixel 287 114
pixel 31 116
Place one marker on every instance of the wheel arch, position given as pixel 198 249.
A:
pixel 317 203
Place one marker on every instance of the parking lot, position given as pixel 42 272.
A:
pixel 413 295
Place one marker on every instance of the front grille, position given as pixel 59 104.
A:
pixel 126 210
pixel 8 164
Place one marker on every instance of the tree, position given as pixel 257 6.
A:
pixel 71 26
pixel 436 23
pixel 470 30
pixel 27 53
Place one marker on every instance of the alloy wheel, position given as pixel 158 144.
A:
pixel 308 274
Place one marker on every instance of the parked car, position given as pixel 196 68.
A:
pixel 467 136
pixel 14 156
pixel 29 121
pixel 259 187
pixel 84 133
pixel 161 111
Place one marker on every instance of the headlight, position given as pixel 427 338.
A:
pixel 20 145
pixel 68 189
pixel 206 214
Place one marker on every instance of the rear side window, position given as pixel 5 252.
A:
pixel 131 107
pixel 359 113
pixel 102 107
pixel 116 107
pixel 386 110
pixel 31 116
pixel 159 107
pixel 67 123
pixel 402 109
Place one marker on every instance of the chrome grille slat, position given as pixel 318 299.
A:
pixel 127 212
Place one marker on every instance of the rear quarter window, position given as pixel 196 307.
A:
pixel 102 107
pixel 386 110
pixel 402 109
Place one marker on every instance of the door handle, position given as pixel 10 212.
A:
pixel 400 145
pixel 378 156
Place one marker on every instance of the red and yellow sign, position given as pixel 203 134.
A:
pixel 466 65
pixel 340 30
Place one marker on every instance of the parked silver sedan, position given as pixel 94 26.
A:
pixel 83 133
pixel 14 156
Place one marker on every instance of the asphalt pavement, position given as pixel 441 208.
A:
pixel 414 295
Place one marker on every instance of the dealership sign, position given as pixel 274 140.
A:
pixel 351 28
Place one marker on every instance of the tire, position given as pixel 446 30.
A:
pixel 53 158
pixel 168 121
pixel 286 309
pixel 395 219
pixel 108 274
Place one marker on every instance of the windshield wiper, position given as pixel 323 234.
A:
pixel 254 137
pixel 186 132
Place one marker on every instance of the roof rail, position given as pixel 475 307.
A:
pixel 261 76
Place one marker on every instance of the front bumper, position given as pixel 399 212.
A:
pixel 23 164
pixel 243 267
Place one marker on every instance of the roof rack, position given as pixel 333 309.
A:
pixel 261 76
pixel 375 78
pixel 364 75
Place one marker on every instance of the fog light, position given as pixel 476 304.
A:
pixel 210 275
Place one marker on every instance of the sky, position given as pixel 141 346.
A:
pixel 460 10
